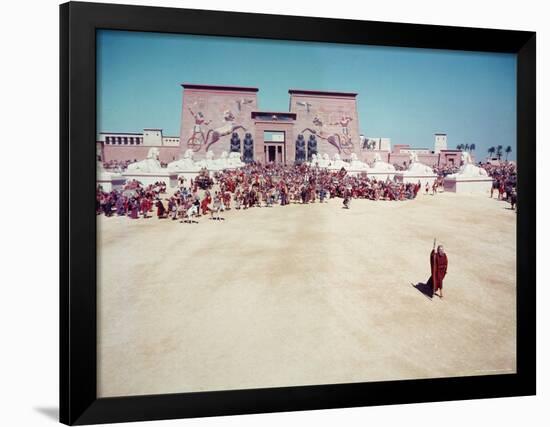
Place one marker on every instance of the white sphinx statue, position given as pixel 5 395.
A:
pixel 150 165
pixel 208 161
pixel 337 163
pixel 416 173
pixel 469 178
pixel 314 160
pixel 356 164
pixel 380 166
pixel 185 164
pixel 418 169
pixel 149 171
pixel 322 161
pixel 468 169
pixel 222 162
pixel 234 160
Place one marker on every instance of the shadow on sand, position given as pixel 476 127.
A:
pixel 425 289
pixel 50 412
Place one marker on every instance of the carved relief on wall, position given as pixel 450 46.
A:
pixel 307 105
pixel 198 138
pixel 341 138
pixel 228 127
pixel 208 131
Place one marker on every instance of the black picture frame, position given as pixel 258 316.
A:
pixel 78 400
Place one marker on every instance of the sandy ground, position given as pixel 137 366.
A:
pixel 305 295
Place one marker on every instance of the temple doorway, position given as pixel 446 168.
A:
pixel 274 147
pixel 274 153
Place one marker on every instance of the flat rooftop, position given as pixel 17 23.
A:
pixel 219 87
pixel 320 92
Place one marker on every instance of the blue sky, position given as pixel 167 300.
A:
pixel 405 94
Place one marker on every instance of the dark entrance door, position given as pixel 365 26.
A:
pixel 271 150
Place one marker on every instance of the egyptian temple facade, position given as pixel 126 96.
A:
pixel 225 118
pixel 229 119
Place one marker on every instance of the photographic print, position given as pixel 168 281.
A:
pixel 276 213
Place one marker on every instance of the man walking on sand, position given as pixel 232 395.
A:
pixel 438 263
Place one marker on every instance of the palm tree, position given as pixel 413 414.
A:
pixel 459 147
pixel 491 151
pixel 472 147
pixel 499 151
pixel 508 151
pixel 467 147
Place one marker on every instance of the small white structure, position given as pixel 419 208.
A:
pixel 108 181
pixel 417 172
pixel 149 171
pixel 468 179
pixel 380 170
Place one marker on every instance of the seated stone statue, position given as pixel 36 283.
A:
pixel 235 143
pixel 300 149
pixel 248 149
pixel 150 165
pixel 311 146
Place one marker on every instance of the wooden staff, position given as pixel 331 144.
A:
pixel 433 269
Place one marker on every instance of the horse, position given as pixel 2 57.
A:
pixel 216 134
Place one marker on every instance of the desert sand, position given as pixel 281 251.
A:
pixel 303 295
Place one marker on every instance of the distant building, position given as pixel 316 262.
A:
pixel 227 119
pixel 440 142
pixel 407 149
pixel 123 146
pixel 375 143
pixel 149 137
pixel 400 154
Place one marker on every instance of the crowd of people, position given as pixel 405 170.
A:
pixel 117 165
pixel 133 201
pixel 121 165
pixel 254 185
pixel 504 181
pixel 258 185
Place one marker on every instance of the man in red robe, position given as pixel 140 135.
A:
pixel 438 263
pixel 205 203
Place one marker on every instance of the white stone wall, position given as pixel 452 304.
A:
pixel 152 137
